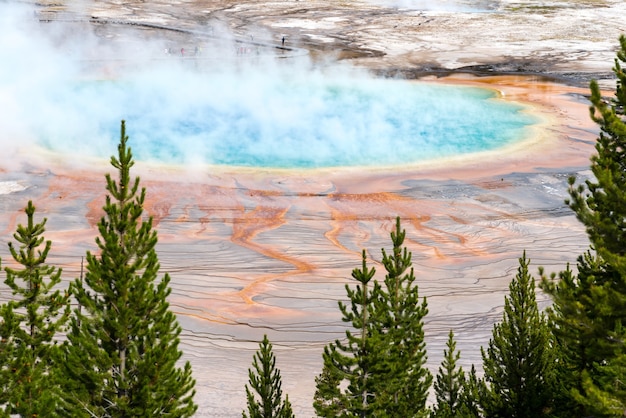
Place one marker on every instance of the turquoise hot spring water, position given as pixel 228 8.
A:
pixel 263 120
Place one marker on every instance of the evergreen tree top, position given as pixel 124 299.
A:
pixel 30 322
pixel 266 382
pixel 379 369
pixel 449 382
pixel 519 360
pixel 122 351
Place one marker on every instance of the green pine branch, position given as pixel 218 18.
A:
pixel 122 356
pixel 379 368
pixel 30 322
pixel 264 393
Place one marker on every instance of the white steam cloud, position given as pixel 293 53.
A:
pixel 63 88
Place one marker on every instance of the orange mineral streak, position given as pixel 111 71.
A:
pixel 358 207
pixel 254 251
pixel 339 211
pixel 13 222
pixel 245 229
pixel 343 224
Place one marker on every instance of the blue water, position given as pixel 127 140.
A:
pixel 280 122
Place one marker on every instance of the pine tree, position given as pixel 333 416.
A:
pixel 350 361
pixel 599 204
pixel 519 361
pixel 8 323
pixel 328 400
pixel 266 382
pixel 589 309
pixel 382 362
pixel 122 351
pixel 31 320
pixel 403 386
pixel 473 393
pixel 449 383
pixel 580 322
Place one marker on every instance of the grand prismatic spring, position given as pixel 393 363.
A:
pixel 268 170
pixel 313 121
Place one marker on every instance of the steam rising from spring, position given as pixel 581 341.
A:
pixel 252 110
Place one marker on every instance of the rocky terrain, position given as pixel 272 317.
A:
pixel 567 39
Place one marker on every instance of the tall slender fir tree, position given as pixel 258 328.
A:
pixel 329 400
pixel 474 390
pixel 580 324
pixel 519 361
pixel 599 203
pixel 589 309
pixel 449 383
pixel 34 316
pixel 122 351
pixel 8 322
pixel 266 382
pixel 402 389
pixel 380 369
pixel 349 363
